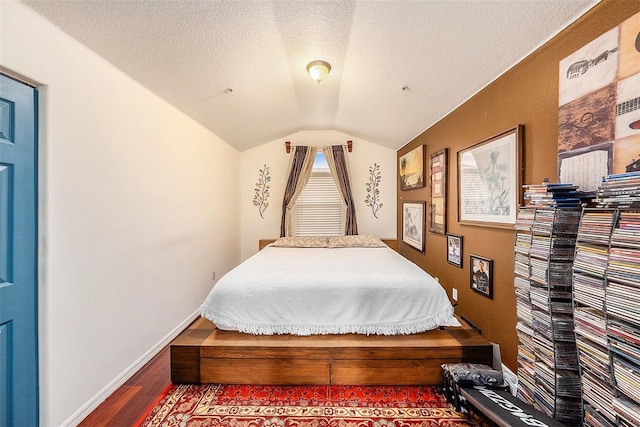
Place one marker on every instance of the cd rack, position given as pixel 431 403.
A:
pixel 589 286
pixel 622 305
pixel 548 372
pixel 524 326
pixel 606 293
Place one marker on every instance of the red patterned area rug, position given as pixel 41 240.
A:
pixel 304 406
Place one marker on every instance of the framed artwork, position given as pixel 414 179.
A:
pixel 411 167
pixel 490 180
pixel 481 275
pixel 438 184
pixel 598 114
pixel 413 224
pixel 454 249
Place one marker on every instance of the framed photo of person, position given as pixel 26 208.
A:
pixel 481 275
pixel 413 224
pixel 454 249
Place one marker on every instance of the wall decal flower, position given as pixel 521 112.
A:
pixel 262 190
pixel 373 192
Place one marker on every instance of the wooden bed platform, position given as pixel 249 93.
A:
pixel 203 354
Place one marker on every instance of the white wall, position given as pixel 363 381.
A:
pixel 138 203
pixel 273 154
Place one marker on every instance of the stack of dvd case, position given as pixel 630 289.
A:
pixel 557 380
pixel 620 190
pixel 589 289
pixel 547 195
pixel 622 304
pixel 524 327
pixel 627 412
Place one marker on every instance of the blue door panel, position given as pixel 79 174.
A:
pixel 6 227
pixel 18 255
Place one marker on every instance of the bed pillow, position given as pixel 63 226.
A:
pixel 301 242
pixel 356 241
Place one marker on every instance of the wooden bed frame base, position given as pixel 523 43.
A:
pixel 204 354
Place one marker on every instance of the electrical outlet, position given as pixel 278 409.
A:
pixel 213 275
pixel 454 294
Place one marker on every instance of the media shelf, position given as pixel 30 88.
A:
pixel 606 286
pixel 548 370
pixel 524 327
pixel 622 305
pixel 589 285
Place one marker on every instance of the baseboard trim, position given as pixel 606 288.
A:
pixel 110 388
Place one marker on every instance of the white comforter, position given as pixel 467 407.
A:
pixel 307 291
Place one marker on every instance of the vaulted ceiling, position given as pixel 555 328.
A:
pixel 239 67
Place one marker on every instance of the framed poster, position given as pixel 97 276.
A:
pixel 598 113
pixel 490 180
pixel 411 167
pixel 454 249
pixel 438 187
pixel 481 275
pixel 413 224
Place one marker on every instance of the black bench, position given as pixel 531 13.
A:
pixel 495 404
pixel 503 409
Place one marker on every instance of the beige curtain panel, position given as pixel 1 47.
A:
pixel 301 163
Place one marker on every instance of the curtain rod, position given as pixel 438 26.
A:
pixel 288 146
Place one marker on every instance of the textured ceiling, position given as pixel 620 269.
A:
pixel 190 52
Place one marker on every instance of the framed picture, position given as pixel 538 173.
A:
pixel 413 224
pixel 454 249
pixel 438 184
pixel 481 275
pixel 490 180
pixel 411 167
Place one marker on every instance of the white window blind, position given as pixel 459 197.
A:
pixel 320 209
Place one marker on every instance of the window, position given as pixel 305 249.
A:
pixel 320 209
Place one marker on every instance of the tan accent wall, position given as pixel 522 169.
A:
pixel 527 94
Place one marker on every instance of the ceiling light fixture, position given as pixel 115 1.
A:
pixel 318 70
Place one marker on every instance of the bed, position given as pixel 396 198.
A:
pixel 337 285
pixel 370 317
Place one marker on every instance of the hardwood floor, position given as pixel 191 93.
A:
pixel 127 404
